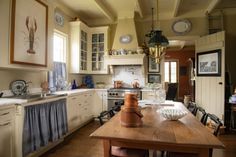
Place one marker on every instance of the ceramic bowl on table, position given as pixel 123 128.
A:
pixel 172 113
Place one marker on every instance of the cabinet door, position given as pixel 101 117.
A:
pixel 73 112
pixel 97 103
pixel 104 101
pixel 6 139
pixel 99 45
pixel 83 50
pixel 79 34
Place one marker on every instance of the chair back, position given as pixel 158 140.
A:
pixel 201 115
pixel 172 91
pixel 213 123
pixel 192 107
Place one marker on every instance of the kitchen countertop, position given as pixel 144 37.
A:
pixel 13 101
pixel 76 91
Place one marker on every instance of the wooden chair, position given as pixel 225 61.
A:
pixel 201 115
pixel 121 151
pixel 172 91
pixel 192 107
pixel 213 123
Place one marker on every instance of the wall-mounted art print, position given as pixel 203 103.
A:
pixel 209 63
pixel 154 78
pixel 29 32
pixel 153 66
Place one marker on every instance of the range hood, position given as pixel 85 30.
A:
pixel 125 27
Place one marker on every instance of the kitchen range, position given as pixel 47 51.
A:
pixel 117 95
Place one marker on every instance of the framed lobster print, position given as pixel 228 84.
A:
pixel 29 32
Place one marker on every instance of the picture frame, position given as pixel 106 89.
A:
pixel 29 33
pixel 209 63
pixel 154 78
pixel 153 67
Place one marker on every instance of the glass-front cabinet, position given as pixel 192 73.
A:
pixel 88 45
pixel 99 46
pixel 83 50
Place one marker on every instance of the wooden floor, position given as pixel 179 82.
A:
pixel 80 145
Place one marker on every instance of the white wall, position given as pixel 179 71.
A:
pixel 210 94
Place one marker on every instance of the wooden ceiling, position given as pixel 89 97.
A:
pixel 111 10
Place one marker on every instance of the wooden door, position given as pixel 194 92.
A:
pixel 210 89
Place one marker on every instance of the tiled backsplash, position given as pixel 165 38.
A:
pixel 128 74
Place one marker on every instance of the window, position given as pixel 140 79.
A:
pixel 171 74
pixel 59 47
pixel 57 77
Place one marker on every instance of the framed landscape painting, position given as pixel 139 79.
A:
pixel 154 78
pixel 29 32
pixel 209 63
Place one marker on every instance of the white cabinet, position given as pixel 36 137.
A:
pixel 79 47
pixel 99 102
pixel 88 46
pixel 7 132
pixel 99 46
pixel 79 109
pixel 74 120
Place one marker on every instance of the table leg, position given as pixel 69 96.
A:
pixel 107 148
pixel 204 153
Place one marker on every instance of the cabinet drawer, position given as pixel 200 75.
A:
pixel 6 115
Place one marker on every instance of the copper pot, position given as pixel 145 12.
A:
pixel 117 84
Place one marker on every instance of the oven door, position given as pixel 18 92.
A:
pixel 112 102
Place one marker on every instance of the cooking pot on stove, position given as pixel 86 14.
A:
pixel 118 84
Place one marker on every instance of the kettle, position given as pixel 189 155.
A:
pixel 135 83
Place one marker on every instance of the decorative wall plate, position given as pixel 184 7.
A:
pixel 59 19
pixel 125 39
pixel 17 87
pixel 181 26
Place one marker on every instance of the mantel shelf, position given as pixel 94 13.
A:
pixel 134 59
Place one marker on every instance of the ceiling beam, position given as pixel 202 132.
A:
pixel 211 6
pixel 140 10
pixel 176 7
pixel 104 10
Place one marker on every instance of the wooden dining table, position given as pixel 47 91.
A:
pixel 157 133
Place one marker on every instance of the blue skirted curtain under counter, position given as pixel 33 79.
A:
pixel 44 123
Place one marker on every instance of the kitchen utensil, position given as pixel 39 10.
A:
pixel 135 83
pixel 117 84
pixel 17 87
pixel 1 93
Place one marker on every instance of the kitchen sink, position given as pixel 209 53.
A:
pixel 36 97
